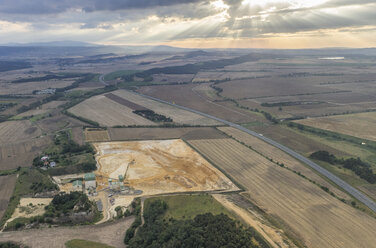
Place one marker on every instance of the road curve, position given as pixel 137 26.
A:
pixel 101 79
pixel 342 184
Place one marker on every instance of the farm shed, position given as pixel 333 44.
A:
pixel 90 181
pixel 77 185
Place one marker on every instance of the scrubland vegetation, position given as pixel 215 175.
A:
pixel 201 230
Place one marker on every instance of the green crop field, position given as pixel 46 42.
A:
pixel 188 206
pixel 79 243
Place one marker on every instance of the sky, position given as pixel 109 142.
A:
pixel 286 24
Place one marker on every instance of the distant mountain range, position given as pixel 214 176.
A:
pixel 66 43
pixel 77 48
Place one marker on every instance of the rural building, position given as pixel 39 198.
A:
pixel 121 178
pixel 77 185
pixel 90 181
pixel 44 158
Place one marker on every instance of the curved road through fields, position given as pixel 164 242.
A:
pixel 342 184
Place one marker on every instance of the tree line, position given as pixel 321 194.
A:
pixel 359 167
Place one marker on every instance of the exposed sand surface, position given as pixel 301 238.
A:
pixel 158 166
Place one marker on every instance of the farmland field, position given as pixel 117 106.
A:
pixel 270 86
pixel 107 112
pixel 16 131
pixel 21 154
pixel 178 115
pixel 361 125
pixel 96 135
pixel 189 95
pixel 277 155
pixel 317 218
pixel 6 190
pixel 117 134
pixel 78 135
pixel 28 88
pixel 158 166
pixel 306 143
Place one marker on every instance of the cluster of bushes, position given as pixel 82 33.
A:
pixel 38 187
pixel 63 204
pixel 90 122
pixel 5 106
pixel 73 169
pixel 4 118
pixel 11 245
pixel 72 147
pixel 205 230
pixel 151 115
pixel 58 211
pixel 136 210
pixel 359 167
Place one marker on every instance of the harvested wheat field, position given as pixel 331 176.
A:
pixel 312 215
pixel 177 115
pixel 279 156
pixel 158 166
pixel 16 131
pixel 107 112
pixel 13 155
pixel 96 135
pixel 361 125
pixel 6 190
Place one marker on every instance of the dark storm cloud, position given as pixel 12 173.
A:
pixel 36 6
pixel 60 6
pixel 159 19
pixel 99 5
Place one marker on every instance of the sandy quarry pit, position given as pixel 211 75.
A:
pixel 157 167
pixel 30 207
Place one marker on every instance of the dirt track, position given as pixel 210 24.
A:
pixel 111 233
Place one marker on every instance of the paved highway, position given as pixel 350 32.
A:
pixel 342 184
